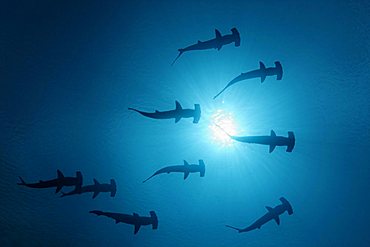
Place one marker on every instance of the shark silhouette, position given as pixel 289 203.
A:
pixel 272 140
pixel 96 188
pixel 134 219
pixel 177 114
pixel 186 169
pixel 215 43
pixel 59 182
pixel 262 72
pixel 273 213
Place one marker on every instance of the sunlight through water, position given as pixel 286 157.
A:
pixel 226 121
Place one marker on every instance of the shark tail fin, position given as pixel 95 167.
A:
pixel 236 35
pixel 279 70
pixel 97 212
pixel 291 141
pixel 154 219
pixel 287 205
pixel 181 51
pixel 149 177
pixel 114 188
pixel 197 113
pixel 202 167
pixel 235 228
pixel 22 181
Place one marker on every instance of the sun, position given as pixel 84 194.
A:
pixel 225 120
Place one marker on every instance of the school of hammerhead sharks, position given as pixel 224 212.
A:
pixel 271 140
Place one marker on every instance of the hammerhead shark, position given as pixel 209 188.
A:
pixel 134 219
pixel 273 213
pixel 59 182
pixel 177 114
pixel 262 72
pixel 272 140
pixel 186 169
pixel 215 43
pixel 96 188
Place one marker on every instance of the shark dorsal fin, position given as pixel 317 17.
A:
pixel 218 34
pixel 199 41
pixel 135 215
pixel 96 182
pixel 178 105
pixel 272 133
pixel 60 174
pixel 156 111
pixel 186 163
pixel 262 66
pixel 269 209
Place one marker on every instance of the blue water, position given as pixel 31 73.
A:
pixel 69 71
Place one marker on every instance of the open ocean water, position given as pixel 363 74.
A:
pixel 70 69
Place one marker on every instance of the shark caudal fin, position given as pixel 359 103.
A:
pixel 181 51
pixel 236 35
pixel 197 113
pixel 291 141
pixel 279 70
pixel 97 212
pixel 202 168
pixel 22 181
pixel 263 72
pixel 287 205
pixel 235 228
pixel 113 188
pixel 154 219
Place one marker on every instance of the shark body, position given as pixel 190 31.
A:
pixel 215 43
pixel 262 73
pixel 96 188
pixel 177 114
pixel 134 219
pixel 186 169
pixel 59 182
pixel 272 214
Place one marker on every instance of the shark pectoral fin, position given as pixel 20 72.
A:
pixel 59 187
pixel 186 174
pixel 137 228
pixel 219 47
pixel 177 119
pixel 272 147
pixel 117 221
pixel 96 193
pixel 263 78
pixel 277 219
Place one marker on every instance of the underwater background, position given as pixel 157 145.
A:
pixel 70 69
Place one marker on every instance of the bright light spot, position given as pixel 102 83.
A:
pixel 226 121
